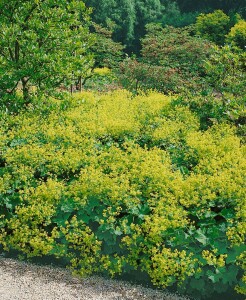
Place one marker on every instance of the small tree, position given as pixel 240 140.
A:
pixel 43 44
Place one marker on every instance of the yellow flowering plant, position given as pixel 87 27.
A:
pixel 113 183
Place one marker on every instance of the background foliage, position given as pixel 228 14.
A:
pixel 128 18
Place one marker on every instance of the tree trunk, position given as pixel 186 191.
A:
pixel 25 90
pixel 80 84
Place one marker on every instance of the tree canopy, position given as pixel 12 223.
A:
pixel 205 5
pixel 127 18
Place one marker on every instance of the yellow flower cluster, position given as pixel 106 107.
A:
pixel 170 266
pixel 242 262
pixel 85 248
pixel 213 260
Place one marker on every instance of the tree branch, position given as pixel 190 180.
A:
pixel 11 54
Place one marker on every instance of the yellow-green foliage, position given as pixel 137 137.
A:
pixel 213 26
pixel 237 35
pixel 102 71
pixel 114 183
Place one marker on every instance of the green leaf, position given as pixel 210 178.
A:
pixel 118 231
pixel 212 278
pixel 217 275
pixel 61 218
pixel 234 252
pixel 92 202
pixel 227 213
pixel 8 203
pixel 230 276
pixel 82 216
pixel 201 237
pixel 67 207
pixel 220 245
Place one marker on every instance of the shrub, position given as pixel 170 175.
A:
pixel 237 35
pixel 113 183
pixel 225 70
pixel 174 48
pixel 213 26
pixel 166 65
pixel 139 76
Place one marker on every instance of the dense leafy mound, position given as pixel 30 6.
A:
pixel 113 183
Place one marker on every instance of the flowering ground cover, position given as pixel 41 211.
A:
pixel 113 183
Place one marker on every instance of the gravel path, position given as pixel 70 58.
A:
pixel 24 281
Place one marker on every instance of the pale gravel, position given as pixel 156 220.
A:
pixel 25 281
